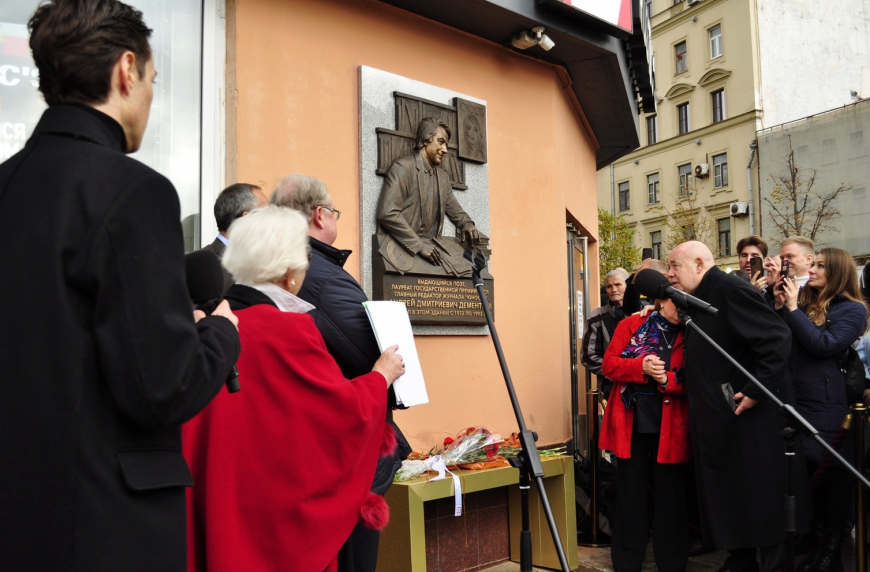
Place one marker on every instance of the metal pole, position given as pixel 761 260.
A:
pixel 594 540
pixel 859 414
pixel 574 328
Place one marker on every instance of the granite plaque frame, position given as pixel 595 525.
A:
pixel 390 108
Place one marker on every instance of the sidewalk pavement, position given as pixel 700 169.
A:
pixel 598 560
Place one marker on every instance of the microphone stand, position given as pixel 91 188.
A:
pixel 529 460
pixel 788 434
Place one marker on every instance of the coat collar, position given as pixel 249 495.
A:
pixel 707 282
pixel 332 254
pixel 82 122
pixel 241 297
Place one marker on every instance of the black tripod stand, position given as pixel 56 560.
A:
pixel 529 460
pixel 797 422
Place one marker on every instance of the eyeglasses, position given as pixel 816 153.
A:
pixel 333 210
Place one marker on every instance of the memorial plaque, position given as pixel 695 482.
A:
pixel 436 301
pixel 471 135
pixel 415 259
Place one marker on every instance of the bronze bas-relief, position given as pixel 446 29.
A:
pixel 416 196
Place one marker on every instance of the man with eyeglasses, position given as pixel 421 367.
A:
pixel 341 318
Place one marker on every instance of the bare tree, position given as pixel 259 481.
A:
pixel 688 220
pixel 796 207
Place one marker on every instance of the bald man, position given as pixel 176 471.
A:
pixel 739 456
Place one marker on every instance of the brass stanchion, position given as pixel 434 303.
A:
pixel 859 414
pixel 596 539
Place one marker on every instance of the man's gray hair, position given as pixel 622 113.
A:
pixel 621 272
pixel 302 193
pixel 267 243
pixel 232 202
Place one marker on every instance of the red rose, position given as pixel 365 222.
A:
pixel 448 441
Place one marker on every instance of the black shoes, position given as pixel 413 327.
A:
pixel 826 556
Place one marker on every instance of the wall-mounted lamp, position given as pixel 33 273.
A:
pixel 525 39
pixel 697 141
pixel 636 162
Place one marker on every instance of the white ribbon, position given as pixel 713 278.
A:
pixel 436 463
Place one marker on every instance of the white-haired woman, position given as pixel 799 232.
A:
pixel 282 469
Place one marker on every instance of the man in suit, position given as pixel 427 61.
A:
pixel 341 318
pixel 235 201
pixel 103 357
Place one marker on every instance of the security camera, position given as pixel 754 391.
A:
pixel 543 39
pixel 546 43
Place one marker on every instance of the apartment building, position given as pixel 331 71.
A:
pixel 724 70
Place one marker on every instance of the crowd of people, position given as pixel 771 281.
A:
pixel 112 370
pixel 788 319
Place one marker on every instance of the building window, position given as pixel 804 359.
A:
pixel 715 42
pixel 652 129
pixel 685 172
pixel 656 242
pixel 720 170
pixel 652 185
pixel 724 236
pixel 718 105
pixel 681 57
pixel 683 114
pixel 624 198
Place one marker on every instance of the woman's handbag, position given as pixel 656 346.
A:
pixel 853 373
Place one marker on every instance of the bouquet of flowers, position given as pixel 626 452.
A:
pixel 471 445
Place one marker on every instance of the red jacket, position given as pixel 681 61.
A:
pixel 674 444
pixel 283 467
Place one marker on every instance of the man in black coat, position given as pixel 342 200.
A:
pixel 342 320
pixel 102 356
pixel 739 456
pixel 234 202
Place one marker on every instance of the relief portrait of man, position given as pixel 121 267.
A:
pixel 416 196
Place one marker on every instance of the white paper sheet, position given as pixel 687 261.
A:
pixel 392 326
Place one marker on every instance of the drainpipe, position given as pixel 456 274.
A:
pixel 612 204
pixel 752 147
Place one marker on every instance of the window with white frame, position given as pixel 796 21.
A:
pixel 718 105
pixel 681 58
pixel 685 172
pixel 624 197
pixel 655 239
pixel 652 185
pixel 715 42
pixel 683 118
pixel 652 128
pixel 720 170
pixel 724 225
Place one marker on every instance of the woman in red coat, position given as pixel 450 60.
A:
pixel 282 469
pixel 646 426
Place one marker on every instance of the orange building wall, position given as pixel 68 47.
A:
pixel 296 68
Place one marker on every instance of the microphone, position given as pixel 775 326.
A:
pixel 478 262
pixel 205 285
pixel 654 285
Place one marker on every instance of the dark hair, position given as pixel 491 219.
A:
pixel 76 43
pixel 841 280
pixel 232 202
pixel 752 240
pixel 427 129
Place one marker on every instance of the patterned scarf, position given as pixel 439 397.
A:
pixel 648 337
pixel 645 341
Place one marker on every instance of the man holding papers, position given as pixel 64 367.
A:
pixel 342 320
